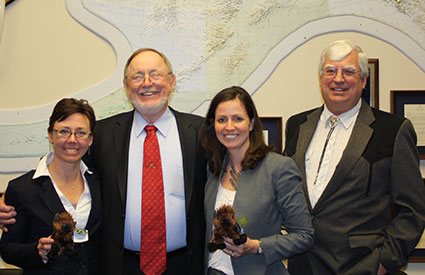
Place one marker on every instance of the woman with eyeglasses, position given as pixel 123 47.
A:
pixel 61 183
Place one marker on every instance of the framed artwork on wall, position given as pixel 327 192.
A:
pixel 418 255
pixel 411 104
pixel 272 129
pixel 371 92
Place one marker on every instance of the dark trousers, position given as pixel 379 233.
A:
pixel 177 263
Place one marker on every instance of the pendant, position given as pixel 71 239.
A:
pixel 234 176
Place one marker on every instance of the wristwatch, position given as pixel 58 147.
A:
pixel 260 249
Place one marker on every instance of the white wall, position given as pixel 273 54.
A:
pixel 294 85
pixel 46 55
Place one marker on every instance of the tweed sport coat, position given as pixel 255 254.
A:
pixel 379 167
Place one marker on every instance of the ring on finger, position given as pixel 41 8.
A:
pixel 233 253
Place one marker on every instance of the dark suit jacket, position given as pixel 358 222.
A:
pixel 36 203
pixel 109 156
pixel 378 168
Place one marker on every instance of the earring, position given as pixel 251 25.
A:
pixel 251 125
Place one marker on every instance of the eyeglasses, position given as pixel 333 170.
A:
pixel 331 71
pixel 153 77
pixel 66 133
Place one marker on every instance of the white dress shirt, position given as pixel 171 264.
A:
pixel 220 260
pixel 172 172
pixel 81 212
pixel 334 150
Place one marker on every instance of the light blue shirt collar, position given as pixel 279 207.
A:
pixel 163 123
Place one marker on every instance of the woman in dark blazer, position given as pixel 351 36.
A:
pixel 263 187
pixel 61 183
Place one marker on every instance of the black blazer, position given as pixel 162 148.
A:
pixel 109 157
pixel 379 167
pixel 36 203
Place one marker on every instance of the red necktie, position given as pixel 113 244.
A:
pixel 153 248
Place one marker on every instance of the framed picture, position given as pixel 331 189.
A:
pixel 411 104
pixel 418 255
pixel 272 129
pixel 371 91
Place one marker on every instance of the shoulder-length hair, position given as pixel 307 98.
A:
pixel 216 151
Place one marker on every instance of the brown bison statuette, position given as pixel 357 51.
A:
pixel 63 231
pixel 225 225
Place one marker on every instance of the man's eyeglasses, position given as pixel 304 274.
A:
pixel 153 77
pixel 331 71
pixel 66 133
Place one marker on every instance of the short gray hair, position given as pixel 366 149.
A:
pixel 338 50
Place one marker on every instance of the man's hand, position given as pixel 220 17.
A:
pixel 6 214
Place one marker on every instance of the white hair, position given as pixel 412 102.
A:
pixel 338 50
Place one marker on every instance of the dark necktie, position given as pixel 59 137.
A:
pixel 333 121
pixel 153 247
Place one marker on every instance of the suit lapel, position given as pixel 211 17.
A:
pixel 360 136
pixel 304 138
pixel 96 205
pixel 211 195
pixel 188 141
pixel 49 196
pixel 121 131
pixel 211 190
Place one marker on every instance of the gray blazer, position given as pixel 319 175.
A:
pixel 270 196
pixel 379 167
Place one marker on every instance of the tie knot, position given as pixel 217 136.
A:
pixel 149 128
pixel 333 121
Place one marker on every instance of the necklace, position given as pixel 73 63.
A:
pixel 234 176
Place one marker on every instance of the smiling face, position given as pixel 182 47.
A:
pixel 149 96
pixel 342 92
pixel 232 126
pixel 70 149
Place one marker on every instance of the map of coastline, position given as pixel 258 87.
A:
pixel 214 44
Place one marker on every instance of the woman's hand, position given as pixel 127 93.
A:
pixel 249 247
pixel 44 245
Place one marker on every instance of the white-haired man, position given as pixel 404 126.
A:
pixel 357 163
